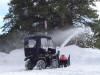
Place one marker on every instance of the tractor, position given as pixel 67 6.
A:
pixel 40 52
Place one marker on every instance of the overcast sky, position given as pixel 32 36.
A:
pixel 4 10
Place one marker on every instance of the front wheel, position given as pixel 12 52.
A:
pixel 41 64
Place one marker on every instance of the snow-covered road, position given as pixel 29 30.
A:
pixel 84 61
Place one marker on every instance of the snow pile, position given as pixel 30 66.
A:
pixel 84 61
pixel 85 56
pixel 15 57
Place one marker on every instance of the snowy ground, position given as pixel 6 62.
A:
pixel 84 61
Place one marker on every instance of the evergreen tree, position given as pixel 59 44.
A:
pixel 30 15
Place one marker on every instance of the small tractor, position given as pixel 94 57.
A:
pixel 41 53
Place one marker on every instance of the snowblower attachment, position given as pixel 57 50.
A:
pixel 64 61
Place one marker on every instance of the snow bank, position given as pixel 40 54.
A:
pixel 15 57
pixel 84 61
pixel 78 56
pixel 85 56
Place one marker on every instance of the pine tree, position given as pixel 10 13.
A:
pixel 30 15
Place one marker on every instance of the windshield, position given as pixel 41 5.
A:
pixel 46 43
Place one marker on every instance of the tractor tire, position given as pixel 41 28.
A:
pixel 41 64
pixel 54 63
pixel 28 65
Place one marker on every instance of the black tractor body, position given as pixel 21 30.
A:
pixel 40 52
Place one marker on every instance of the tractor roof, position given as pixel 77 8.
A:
pixel 37 37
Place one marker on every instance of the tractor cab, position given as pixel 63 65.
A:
pixel 38 44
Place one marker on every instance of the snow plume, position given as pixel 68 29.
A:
pixel 60 35
pixel 84 38
pixel 78 34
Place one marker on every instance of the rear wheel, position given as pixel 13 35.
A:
pixel 41 64
pixel 29 65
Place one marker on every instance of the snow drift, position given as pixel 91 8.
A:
pixel 84 61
